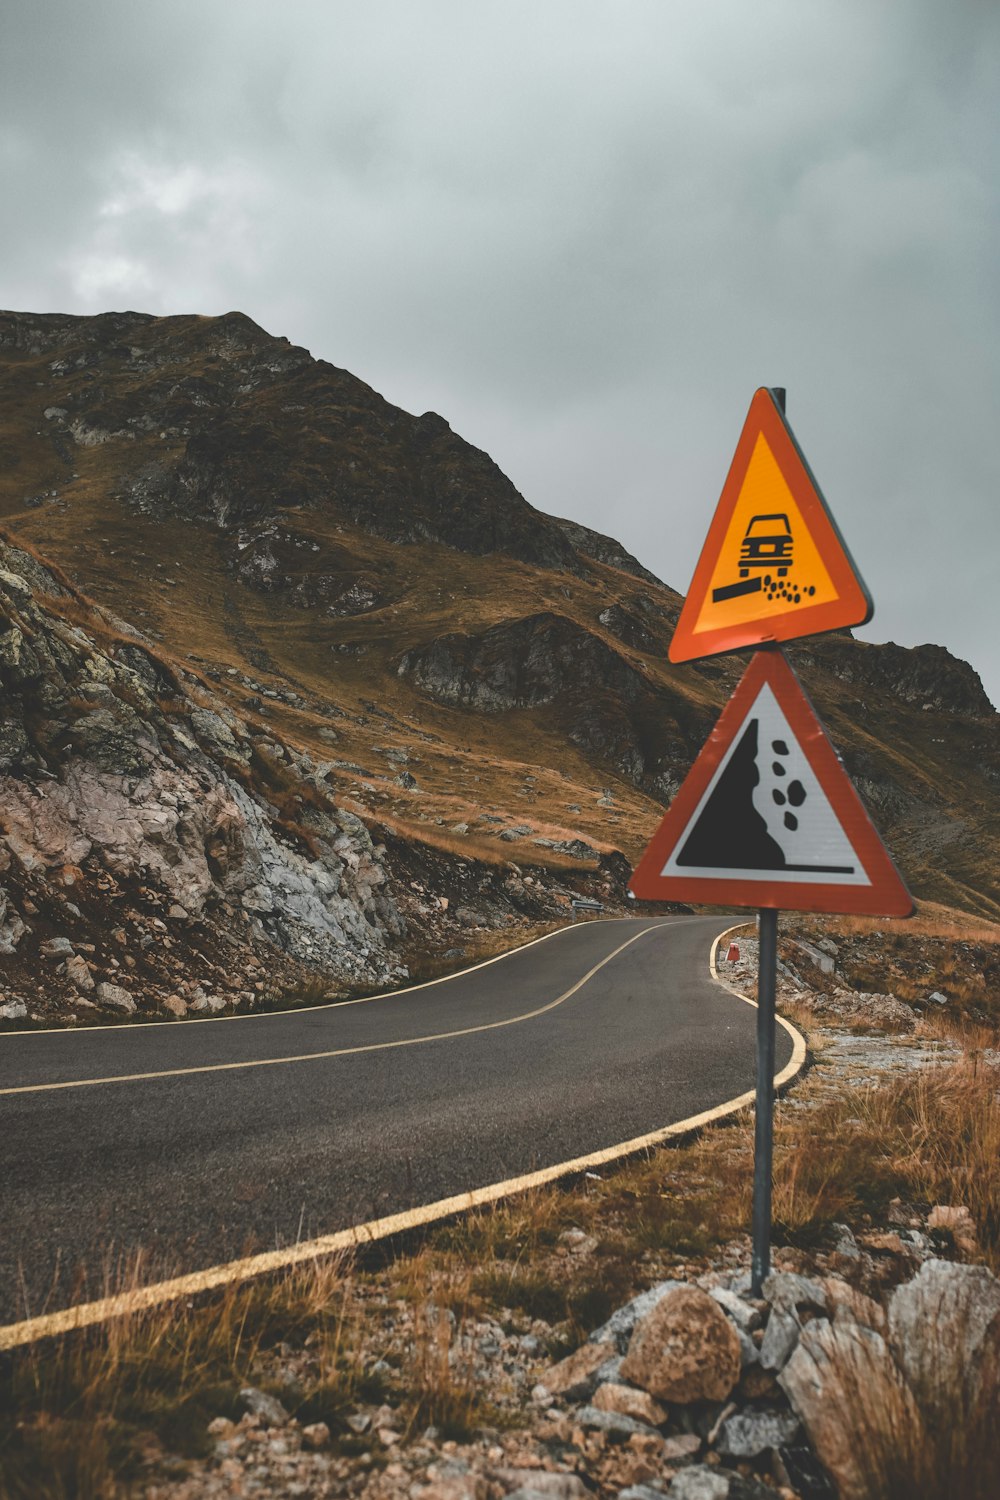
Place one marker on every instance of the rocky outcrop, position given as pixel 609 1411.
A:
pixel 120 775
pixel 216 419
pixel 609 706
pixel 604 549
pixel 927 677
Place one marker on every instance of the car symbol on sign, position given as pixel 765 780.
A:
pixel 769 548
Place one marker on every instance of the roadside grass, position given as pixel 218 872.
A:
pixel 87 1415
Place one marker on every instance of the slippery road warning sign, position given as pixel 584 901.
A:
pixel 774 566
pixel 768 817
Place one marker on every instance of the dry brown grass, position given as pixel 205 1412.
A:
pixel 931 919
pixel 480 850
pixel 77 1413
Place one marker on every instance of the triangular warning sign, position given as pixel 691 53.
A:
pixel 768 817
pixel 774 566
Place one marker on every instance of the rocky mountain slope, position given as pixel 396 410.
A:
pixel 321 580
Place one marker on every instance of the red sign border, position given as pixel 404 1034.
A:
pixel 854 606
pixel 886 896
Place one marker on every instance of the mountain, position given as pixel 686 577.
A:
pixel 472 694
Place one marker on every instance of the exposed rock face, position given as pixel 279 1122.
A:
pixel 604 549
pixel 610 707
pixel 919 675
pixel 110 769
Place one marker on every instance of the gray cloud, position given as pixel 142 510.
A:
pixel 583 232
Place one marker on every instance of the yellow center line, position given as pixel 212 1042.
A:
pixel 299 1057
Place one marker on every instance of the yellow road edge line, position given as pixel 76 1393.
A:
pixel 88 1314
pixel 271 1062
pixel 296 1010
pixel 797 1060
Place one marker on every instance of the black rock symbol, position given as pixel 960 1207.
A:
pixel 796 793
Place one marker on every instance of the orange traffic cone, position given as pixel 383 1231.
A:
pixel 733 954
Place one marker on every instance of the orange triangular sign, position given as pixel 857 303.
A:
pixel 768 817
pixel 774 566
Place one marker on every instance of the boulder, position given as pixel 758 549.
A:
pixel 684 1350
pixel 267 1408
pixel 944 1331
pixel 57 947
pixel 620 1326
pixel 117 998
pixel 860 1415
pixel 79 973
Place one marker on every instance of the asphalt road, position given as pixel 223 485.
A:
pixel 270 1142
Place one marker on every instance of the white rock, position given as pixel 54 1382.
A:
pixel 116 997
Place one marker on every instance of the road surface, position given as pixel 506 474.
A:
pixel 201 1142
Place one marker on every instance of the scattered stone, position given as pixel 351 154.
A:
pixel 700 1483
pixel 944 1330
pixel 575 1376
pixel 550 1483
pixel 681 1449
pixel 57 947
pixel 685 1350
pixel 960 1225
pixel 359 1422
pixel 742 1314
pixel 577 1242
pixel 611 1422
pixel 787 1291
pixel 848 1305
pixel 628 1402
pixel 78 972
pixel 117 998
pixel 844 1242
pixel 268 1408
pixel 316 1435
pixel 175 1005
pixel 177 912
pixel 750 1433
pixel 13 1010
pixel 838 1376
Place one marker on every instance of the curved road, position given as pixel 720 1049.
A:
pixel 204 1141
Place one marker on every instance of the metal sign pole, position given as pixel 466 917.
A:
pixel 767 973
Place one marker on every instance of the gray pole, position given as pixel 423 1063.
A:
pixel 767 973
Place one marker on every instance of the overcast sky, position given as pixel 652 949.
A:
pixel 583 232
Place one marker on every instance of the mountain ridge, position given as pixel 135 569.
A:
pixel 485 685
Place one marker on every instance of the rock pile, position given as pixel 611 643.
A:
pixel 688 1392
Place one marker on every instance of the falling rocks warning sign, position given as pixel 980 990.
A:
pixel 768 817
pixel 774 566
